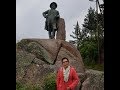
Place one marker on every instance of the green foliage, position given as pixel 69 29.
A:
pixel 87 37
pixel 20 86
pixel 78 35
pixel 50 82
pixel 93 65
pixel 89 51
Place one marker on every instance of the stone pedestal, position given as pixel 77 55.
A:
pixel 61 33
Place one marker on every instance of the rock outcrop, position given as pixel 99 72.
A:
pixel 35 58
pixel 94 80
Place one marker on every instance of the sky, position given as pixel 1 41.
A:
pixel 30 21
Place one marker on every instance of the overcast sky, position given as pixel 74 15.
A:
pixel 30 22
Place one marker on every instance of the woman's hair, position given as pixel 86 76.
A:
pixel 64 58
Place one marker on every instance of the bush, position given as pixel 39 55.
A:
pixel 93 65
pixel 20 86
pixel 50 82
pixel 89 51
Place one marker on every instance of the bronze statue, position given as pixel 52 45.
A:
pixel 52 16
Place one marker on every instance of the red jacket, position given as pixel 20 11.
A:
pixel 72 81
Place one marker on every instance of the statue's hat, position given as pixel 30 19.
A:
pixel 54 4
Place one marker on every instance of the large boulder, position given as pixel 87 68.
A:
pixel 94 80
pixel 35 58
pixel 70 51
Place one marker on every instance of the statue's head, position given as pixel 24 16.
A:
pixel 53 5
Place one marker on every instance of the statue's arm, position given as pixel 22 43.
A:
pixel 58 15
pixel 45 14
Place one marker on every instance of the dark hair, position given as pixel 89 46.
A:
pixel 64 58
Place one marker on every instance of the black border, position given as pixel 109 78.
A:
pixel 8 42
pixel 8 45
pixel 111 45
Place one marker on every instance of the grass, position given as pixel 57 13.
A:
pixel 20 86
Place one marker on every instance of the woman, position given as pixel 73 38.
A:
pixel 67 78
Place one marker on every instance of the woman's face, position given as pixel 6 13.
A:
pixel 65 63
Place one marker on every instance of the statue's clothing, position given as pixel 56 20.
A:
pixel 51 16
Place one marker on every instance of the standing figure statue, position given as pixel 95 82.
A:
pixel 52 16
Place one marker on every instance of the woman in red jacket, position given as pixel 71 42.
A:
pixel 67 78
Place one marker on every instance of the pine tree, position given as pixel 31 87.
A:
pixel 87 37
pixel 78 35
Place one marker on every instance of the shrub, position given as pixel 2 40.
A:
pixel 93 65
pixel 20 86
pixel 50 82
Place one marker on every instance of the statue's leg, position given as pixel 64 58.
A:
pixel 48 29
pixel 54 29
pixel 50 32
pixel 53 33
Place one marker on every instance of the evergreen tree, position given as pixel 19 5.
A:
pixel 87 37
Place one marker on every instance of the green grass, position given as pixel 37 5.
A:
pixel 20 86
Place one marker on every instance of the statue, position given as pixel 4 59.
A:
pixel 52 16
